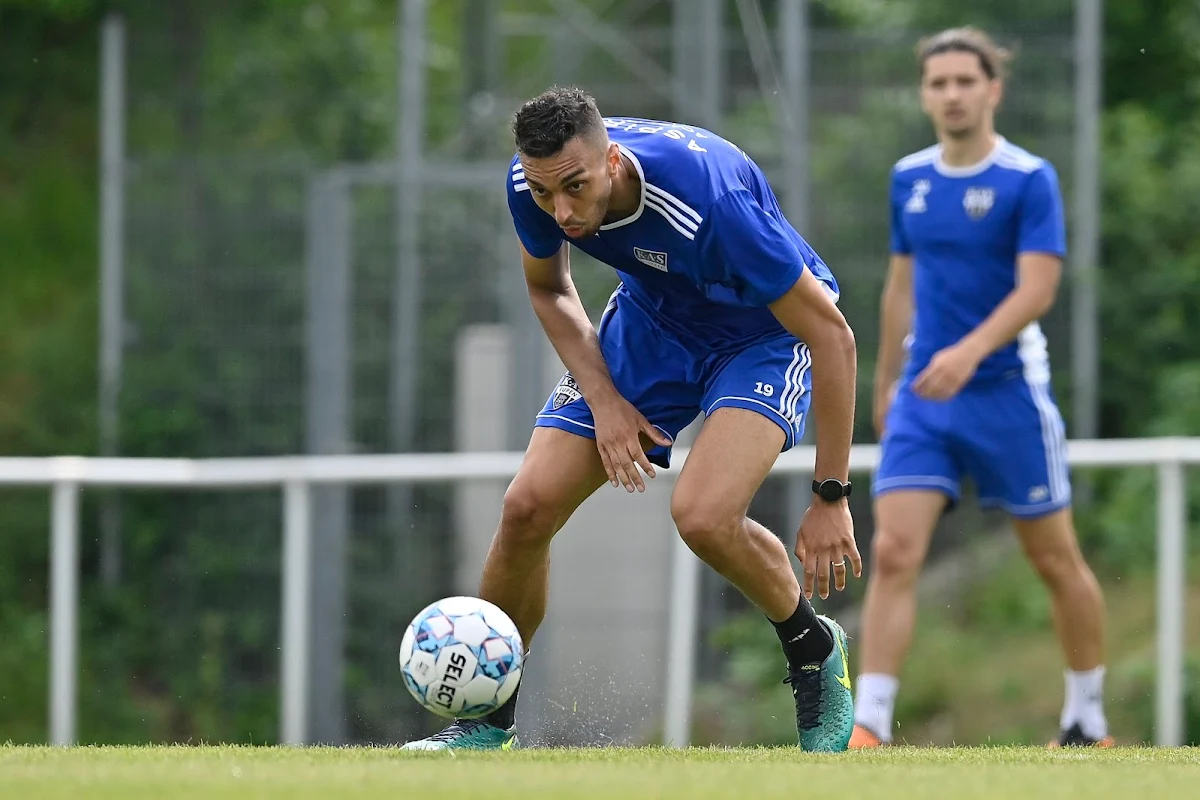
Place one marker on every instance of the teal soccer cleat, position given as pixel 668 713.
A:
pixel 824 701
pixel 468 734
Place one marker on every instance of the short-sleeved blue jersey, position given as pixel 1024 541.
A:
pixel 708 248
pixel 964 228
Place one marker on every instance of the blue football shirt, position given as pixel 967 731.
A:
pixel 964 228
pixel 708 248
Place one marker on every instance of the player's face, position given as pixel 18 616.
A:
pixel 574 186
pixel 957 94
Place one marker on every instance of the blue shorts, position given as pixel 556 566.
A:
pixel 1008 437
pixel 670 379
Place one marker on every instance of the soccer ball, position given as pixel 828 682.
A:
pixel 461 657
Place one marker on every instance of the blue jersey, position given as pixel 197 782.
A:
pixel 708 248
pixel 964 228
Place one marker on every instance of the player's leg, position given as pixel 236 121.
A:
pixel 905 520
pixel 755 406
pixel 916 478
pixel 560 470
pixel 1052 547
pixel 734 451
pixel 1020 464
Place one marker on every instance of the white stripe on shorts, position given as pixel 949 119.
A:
pixel 1053 442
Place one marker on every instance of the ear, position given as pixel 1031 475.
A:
pixel 996 92
pixel 612 158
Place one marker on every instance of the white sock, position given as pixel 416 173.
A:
pixel 875 702
pixel 1084 702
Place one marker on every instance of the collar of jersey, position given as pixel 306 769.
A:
pixel 971 169
pixel 641 201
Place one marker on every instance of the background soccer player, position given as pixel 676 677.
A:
pixel 723 309
pixel 977 248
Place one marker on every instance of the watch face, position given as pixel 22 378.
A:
pixel 832 490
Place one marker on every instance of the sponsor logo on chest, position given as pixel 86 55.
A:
pixel 651 258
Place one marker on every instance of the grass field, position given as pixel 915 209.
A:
pixel 897 774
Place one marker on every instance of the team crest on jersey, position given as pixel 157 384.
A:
pixel 916 203
pixel 651 258
pixel 978 201
pixel 567 391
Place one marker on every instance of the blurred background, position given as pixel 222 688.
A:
pixel 278 227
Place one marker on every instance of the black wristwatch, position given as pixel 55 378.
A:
pixel 831 489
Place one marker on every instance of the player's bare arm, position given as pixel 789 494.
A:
pixel 1038 276
pixel 619 426
pixel 557 305
pixel 826 536
pixel 895 318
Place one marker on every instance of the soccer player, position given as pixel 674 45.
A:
pixel 977 246
pixel 723 309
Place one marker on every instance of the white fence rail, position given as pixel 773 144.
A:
pixel 294 475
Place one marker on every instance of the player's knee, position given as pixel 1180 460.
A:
pixel 1057 565
pixel 895 554
pixel 703 525
pixel 527 516
pixel 1051 546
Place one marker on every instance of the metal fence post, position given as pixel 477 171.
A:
pixel 683 622
pixel 1172 565
pixel 330 389
pixel 297 617
pixel 112 273
pixel 64 611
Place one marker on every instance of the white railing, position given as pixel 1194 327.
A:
pixel 295 475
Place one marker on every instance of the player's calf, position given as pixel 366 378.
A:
pixel 742 551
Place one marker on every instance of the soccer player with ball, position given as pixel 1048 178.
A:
pixel 723 310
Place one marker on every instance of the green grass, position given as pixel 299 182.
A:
pixel 747 774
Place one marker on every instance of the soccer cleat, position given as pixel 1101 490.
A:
pixel 468 734
pixel 862 738
pixel 824 702
pixel 1075 737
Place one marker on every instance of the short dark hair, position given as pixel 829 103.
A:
pixel 992 57
pixel 543 125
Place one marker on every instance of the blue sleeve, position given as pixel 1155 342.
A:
pixel 899 239
pixel 536 229
pixel 746 249
pixel 1041 227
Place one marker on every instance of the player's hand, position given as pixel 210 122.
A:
pixel 947 372
pixel 884 395
pixel 826 540
pixel 620 429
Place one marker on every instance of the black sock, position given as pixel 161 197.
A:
pixel 505 716
pixel 805 640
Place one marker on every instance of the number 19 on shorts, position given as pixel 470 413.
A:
pixel 765 389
